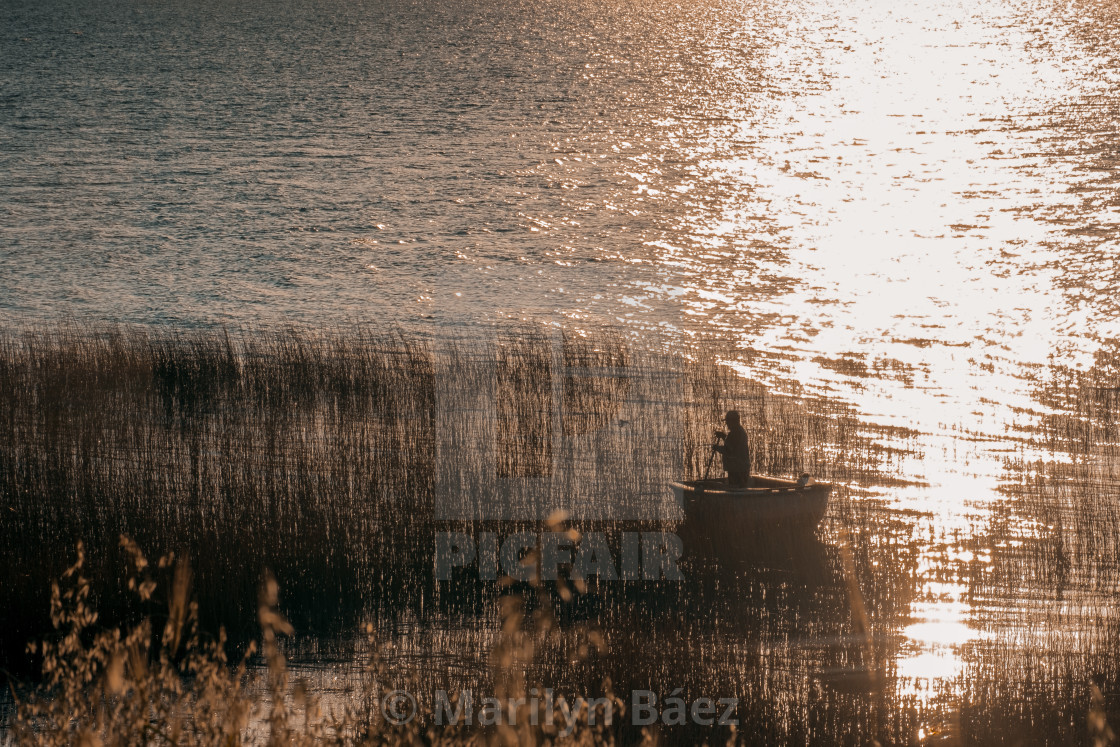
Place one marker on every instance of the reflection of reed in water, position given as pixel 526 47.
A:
pixel 867 674
pixel 1050 570
pixel 321 454
pixel 760 628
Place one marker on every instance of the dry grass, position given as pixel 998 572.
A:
pixel 139 686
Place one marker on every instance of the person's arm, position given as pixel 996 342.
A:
pixel 736 447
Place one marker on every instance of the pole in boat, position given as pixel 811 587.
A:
pixel 708 466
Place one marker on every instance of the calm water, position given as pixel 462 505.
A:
pixel 909 208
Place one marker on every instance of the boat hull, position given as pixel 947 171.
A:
pixel 769 511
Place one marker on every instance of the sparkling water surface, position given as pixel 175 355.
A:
pixel 911 208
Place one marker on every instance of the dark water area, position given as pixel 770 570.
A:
pixel 892 228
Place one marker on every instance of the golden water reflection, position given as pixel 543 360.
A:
pixel 923 230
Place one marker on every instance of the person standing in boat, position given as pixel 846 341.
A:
pixel 735 450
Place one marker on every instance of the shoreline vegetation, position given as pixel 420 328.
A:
pixel 138 685
pixel 327 460
pixel 327 457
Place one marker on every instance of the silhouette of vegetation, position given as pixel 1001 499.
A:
pixel 328 459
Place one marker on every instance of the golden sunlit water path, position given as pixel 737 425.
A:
pixel 928 255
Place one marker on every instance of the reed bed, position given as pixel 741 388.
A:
pixel 1042 576
pixel 329 458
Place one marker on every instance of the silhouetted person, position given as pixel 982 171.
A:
pixel 735 450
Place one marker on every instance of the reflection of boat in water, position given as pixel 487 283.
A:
pixel 768 508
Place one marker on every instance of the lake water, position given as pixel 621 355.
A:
pixel 911 209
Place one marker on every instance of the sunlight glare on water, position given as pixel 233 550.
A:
pixel 905 227
pixel 921 246
pixel 907 208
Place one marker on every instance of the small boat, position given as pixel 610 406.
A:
pixel 769 507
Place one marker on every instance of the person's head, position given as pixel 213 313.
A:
pixel 732 417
